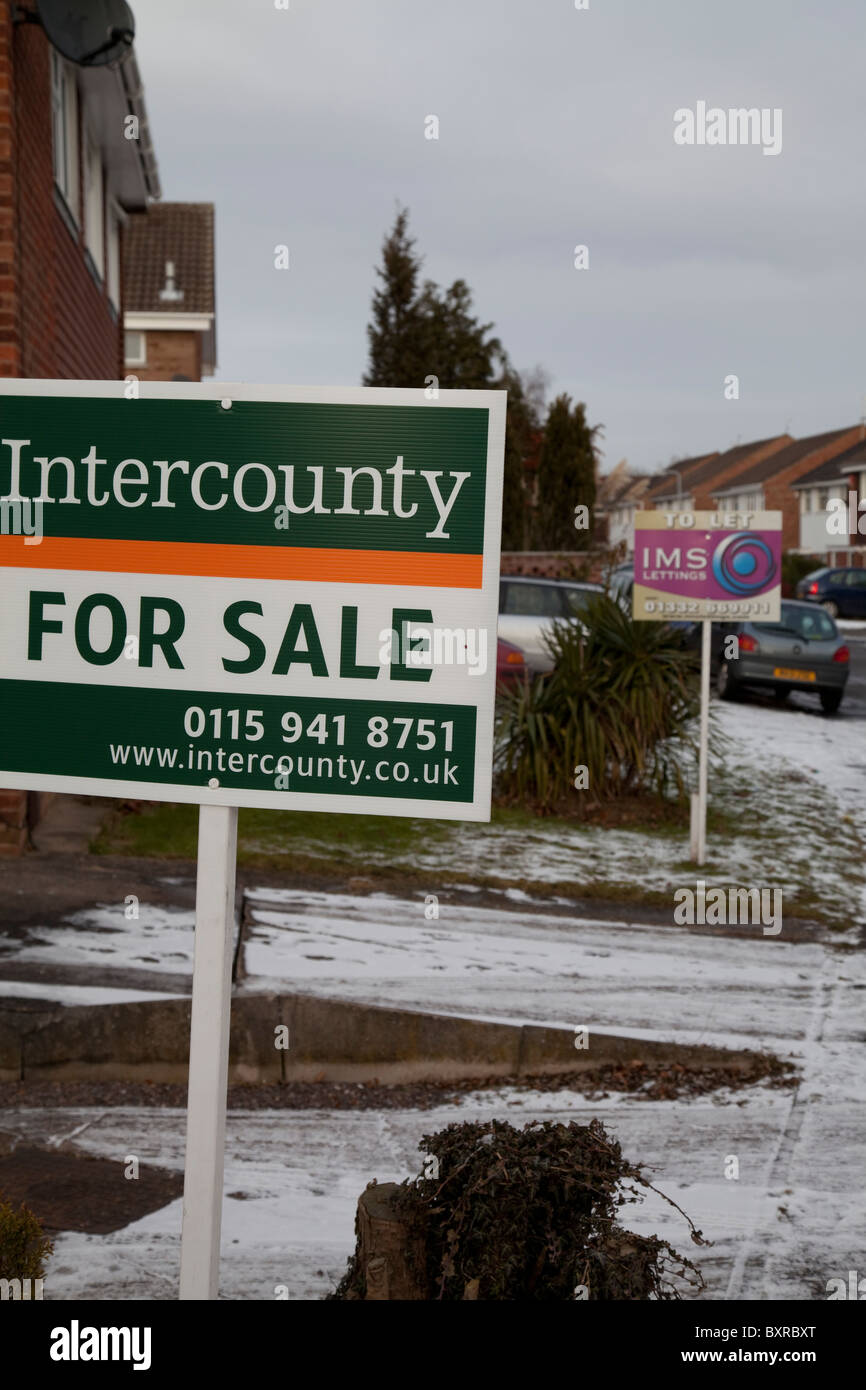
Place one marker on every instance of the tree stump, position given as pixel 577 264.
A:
pixel 390 1257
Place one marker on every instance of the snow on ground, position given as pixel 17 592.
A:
pixel 57 993
pixel 790 781
pixel 661 981
pixel 781 1229
pixel 791 1220
pixel 158 938
pixel 831 752
pixel 799 828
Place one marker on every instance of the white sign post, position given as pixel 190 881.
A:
pixel 264 596
pixel 700 849
pixel 208 1052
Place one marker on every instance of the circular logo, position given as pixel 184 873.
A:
pixel 743 564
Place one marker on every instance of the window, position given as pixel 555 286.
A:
pixel 532 600
pixel 814 625
pixel 94 206
pixel 576 600
pixel 135 349
pixel 114 257
pixel 64 130
pixel 805 502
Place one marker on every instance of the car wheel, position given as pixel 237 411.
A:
pixel 830 607
pixel 830 700
pixel 726 686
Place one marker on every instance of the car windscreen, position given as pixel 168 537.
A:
pixel 576 600
pixel 813 624
pixel 531 600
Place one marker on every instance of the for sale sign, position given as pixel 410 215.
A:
pixel 251 596
pixel 715 565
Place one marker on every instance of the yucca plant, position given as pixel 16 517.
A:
pixel 619 702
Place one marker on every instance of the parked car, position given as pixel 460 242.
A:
pixel 803 651
pixel 529 608
pixel 841 592
pixel 510 663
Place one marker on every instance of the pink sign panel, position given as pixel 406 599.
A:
pixel 707 565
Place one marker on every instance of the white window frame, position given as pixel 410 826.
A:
pixel 94 204
pixel 135 361
pixel 64 131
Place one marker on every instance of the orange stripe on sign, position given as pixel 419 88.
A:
pixel 244 561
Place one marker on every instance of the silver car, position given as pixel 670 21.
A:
pixel 803 652
pixel 529 608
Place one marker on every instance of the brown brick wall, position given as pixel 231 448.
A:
pixel 170 352
pixel 9 333
pixel 702 493
pixel 556 564
pixel 62 324
pixel 55 319
pixel 779 495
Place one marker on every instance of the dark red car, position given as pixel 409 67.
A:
pixel 510 662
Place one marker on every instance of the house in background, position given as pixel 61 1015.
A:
pixel 766 485
pixel 69 180
pixel 699 478
pixel 170 313
pixel 76 168
pixel 832 480
pixel 619 494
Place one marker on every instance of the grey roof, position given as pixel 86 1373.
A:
pixel 777 463
pixel 835 470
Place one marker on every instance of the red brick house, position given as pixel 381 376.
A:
pixel 169 300
pixel 75 162
pixel 766 485
pixel 836 479
pixel 697 483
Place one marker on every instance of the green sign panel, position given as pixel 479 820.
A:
pixel 250 596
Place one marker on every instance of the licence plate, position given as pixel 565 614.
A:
pixel 784 674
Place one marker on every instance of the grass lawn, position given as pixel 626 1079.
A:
pixel 756 837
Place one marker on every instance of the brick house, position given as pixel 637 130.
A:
pixel 700 479
pixel 766 485
pixel 834 479
pixel 70 179
pixel 169 302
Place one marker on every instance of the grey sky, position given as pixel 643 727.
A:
pixel 306 127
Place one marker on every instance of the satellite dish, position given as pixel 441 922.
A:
pixel 92 33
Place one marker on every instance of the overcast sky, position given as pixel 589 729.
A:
pixel 306 127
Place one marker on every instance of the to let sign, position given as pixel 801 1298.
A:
pixel 707 565
pixel 251 596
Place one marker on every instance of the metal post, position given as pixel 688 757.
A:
pixel 705 727
pixel 208 1052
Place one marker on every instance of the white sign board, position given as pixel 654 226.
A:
pixel 251 595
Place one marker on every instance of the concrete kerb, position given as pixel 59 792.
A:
pixel 328 1040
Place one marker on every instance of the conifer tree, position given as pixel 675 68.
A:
pixel 566 477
